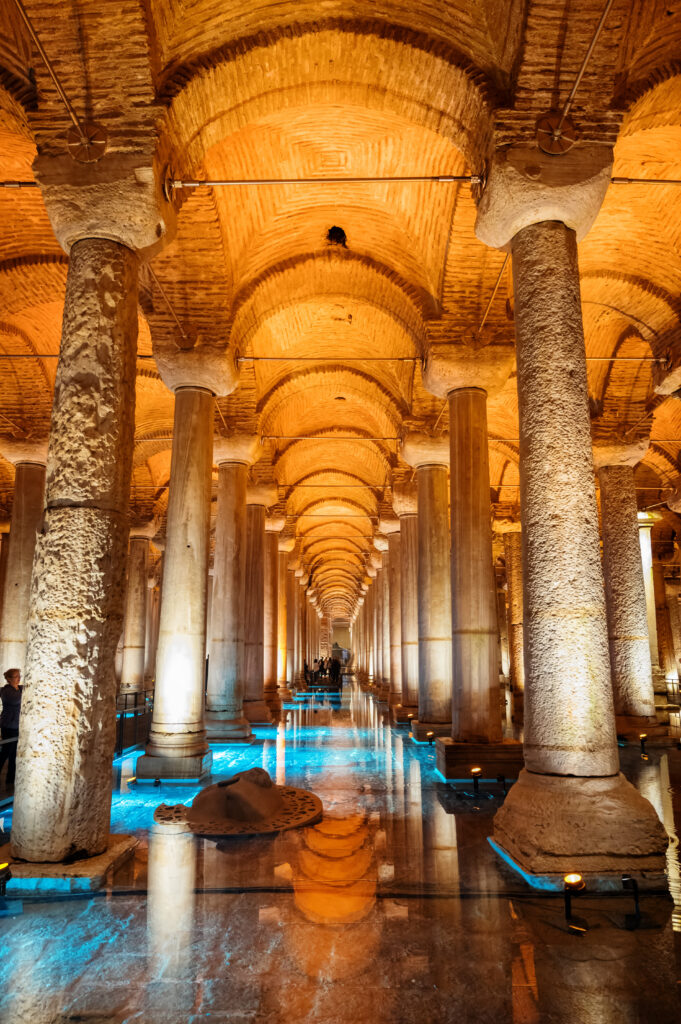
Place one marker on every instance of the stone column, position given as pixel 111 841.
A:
pixel 302 579
pixel 386 683
pixel 391 527
pixel 291 588
pixel 258 498
pixel 284 623
pixel 467 377
pixel 672 590
pixel 225 719
pixel 571 809
pixel 63 789
pixel 135 618
pixel 645 537
pixel 430 456
pixel 513 552
pixel 151 616
pixel 273 527
pixel 4 550
pixel 632 682
pixel 177 745
pixel 27 514
pixel 405 505
pixel 664 629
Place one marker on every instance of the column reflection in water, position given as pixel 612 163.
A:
pixel 171 902
pixel 281 754
pixel 414 851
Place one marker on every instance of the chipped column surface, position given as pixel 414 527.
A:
pixel 178 728
pixel 513 551
pixel 405 505
pixel 632 680
pixel 135 622
pixel 27 514
pixel 569 713
pixel 273 527
pixel 66 744
pixel 225 690
pixel 475 693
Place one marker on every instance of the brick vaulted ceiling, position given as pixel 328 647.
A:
pixel 235 89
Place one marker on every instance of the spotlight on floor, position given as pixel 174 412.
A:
pixel 8 908
pixel 572 884
pixel 475 772
pixel 133 778
pixel 430 736
pixel 643 736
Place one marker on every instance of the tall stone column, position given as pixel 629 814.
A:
pixel 151 619
pixel 513 553
pixel 4 551
pixel 467 377
pixel 258 498
pixel 386 683
pixel 391 527
pixel 430 457
pixel 632 682
pixel 372 638
pixel 301 605
pixel 405 506
pixel 135 618
pixel 225 719
pixel 291 588
pixel 664 630
pixel 571 809
pixel 27 514
pixel 66 743
pixel 273 527
pixel 672 590
pixel 284 624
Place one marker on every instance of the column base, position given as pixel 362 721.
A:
pixel 399 714
pixel 552 825
pixel 257 711
pixel 630 727
pixel 155 766
pixel 419 730
pixel 87 874
pixel 228 730
pixel 285 692
pixel 454 760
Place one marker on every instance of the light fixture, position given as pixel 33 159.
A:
pixel 5 876
pixel 643 736
pixel 630 884
pixel 573 883
pixel 475 772
pixel 429 736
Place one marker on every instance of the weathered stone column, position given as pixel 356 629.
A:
pixel 466 377
pixel 632 682
pixel 291 589
pixel 258 498
pixel 645 537
pixel 27 514
pixel 301 605
pixel 225 719
pixel 273 527
pixel 672 587
pixel 135 618
pixel 664 630
pixel 66 743
pixel 151 630
pixel 513 554
pixel 284 622
pixel 405 506
pixel 4 551
pixel 391 528
pixel 571 809
pixel 430 456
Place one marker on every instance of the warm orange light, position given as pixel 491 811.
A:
pixel 133 778
pixel 3 866
pixel 643 735
pixel 431 733
pixel 410 716
pixel 475 771
pixel 573 881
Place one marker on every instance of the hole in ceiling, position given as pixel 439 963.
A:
pixel 341 398
pixel 336 236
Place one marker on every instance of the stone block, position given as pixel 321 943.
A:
pixel 455 760
pixel 399 714
pixel 420 730
pixel 85 875
pixel 195 766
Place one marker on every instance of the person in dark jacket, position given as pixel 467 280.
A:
pixel 10 695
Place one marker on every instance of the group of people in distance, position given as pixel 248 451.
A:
pixel 323 668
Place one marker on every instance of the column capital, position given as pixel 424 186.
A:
pixel 423 450
pixel 204 363
pixel 265 494
pixel 275 524
pixel 620 453
pixel 143 530
pixel 452 367
pixel 507 526
pixel 405 499
pixel 287 544
pixel 646 520
pixel 389 525
pixel 17 451
pixel 526 186
pixel 242 448
pixel 381 544
pixel 119 197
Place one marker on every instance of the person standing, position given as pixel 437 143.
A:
pixel 10 694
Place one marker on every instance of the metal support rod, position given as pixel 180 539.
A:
pixel 618 180
pixel 168 303
pixel 494 292
pixel 328 359
pixel 587 57
pixel 51 72
pixel 474 179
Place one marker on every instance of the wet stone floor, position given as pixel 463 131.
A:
pixel 393 909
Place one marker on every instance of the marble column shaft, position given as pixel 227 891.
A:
pixel 225 691
pixel 409 532
pixel 282 619
pixel 632 680
pixel 395 598
pixel 475 651
pixel 271 611
pixel 385 631
pixel 63 789
pixel 513 551
pixel 135 621
pixel 434 597
pixel 646 545
pixel 178 728
pixel 664 630
pixel 568 731
pixel 291 585
pixel 27 515
pixel 254 610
